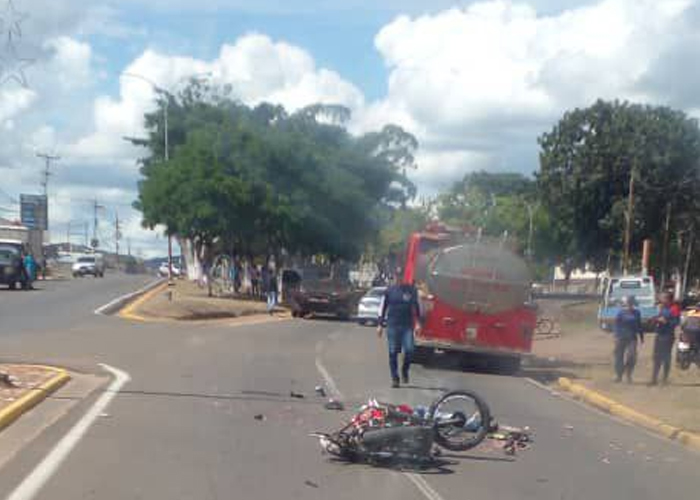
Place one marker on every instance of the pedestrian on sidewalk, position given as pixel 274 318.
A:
pixel 666 322
pixel 628 326
pixel 400 314
pixel 270 286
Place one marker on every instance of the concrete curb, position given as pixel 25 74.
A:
pixel 119 303
pixel 33 397
pixel 612 407
pixel 128 312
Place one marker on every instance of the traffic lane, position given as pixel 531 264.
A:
pixel 577 452
pixel 62 304
pixel 185 427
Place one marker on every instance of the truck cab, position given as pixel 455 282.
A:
pixel 643 290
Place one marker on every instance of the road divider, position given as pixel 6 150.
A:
pixel 608 405
pixel 121 302
pixel 33 396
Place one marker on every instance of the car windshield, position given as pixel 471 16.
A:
pixel 518 166
pixel 8 253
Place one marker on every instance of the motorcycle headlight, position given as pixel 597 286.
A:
pixel 683 346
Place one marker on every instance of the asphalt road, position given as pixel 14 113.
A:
pixel 184 426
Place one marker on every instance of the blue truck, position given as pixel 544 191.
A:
pixel 640 287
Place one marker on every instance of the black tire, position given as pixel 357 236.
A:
pixel 12 286
pixel 544 326
pixel 448 442
pixel 362 322
pixel 683 362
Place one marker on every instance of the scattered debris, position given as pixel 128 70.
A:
pixel 334 404
pixel 569 427
pixel 9 380
pixel 297 395
pixel 648 458
pixel 605 460
pixel 320 391
pixel 311 484
pixel 615 446
pixel 542 480
pixel 259 416
pixel 105 415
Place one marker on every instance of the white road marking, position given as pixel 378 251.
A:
pixel 32 484
pixel 417 480
pixel 126 296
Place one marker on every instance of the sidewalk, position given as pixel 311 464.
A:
pixel 584 353
pixel 24 386
pixel 187 301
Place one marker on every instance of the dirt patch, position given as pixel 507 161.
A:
pixel 188 302
pixel 17 380
pixel 584 352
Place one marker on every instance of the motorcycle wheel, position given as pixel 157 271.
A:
pixel 683 362
pixel 474 420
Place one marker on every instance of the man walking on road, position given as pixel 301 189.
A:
pixel 666 323
pixel 401 315
pixel 628 326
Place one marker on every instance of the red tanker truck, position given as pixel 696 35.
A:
pixel 475 296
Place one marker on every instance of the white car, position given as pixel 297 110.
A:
pixel 89 264
pixel 370 306
pixel 163 270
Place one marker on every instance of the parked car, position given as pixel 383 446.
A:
pixel 370 305
pixel 326 296
pixel 93 264
pixel 11 264
pixel 163 270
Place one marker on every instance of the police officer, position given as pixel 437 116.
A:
pixel 666 322
pixel 400 315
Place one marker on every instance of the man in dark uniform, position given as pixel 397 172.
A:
pixel 628 327
pixel 401 316
pixel 666 323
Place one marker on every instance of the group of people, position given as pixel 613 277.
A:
pixel 262 278
pixel 629 331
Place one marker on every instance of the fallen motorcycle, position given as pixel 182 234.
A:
pixel 382 432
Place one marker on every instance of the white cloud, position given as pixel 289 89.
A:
pixel 486 79
pixel 70 65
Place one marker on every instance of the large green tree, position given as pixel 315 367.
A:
pixel 587 162
pixel 258 179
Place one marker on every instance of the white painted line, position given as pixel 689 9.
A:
pixel 417 480
pixel 41 474
pixel 423 486
pixel 126 296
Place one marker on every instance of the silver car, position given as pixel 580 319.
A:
pixel 370 306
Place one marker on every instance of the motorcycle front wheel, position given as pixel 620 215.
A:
pixel 461 420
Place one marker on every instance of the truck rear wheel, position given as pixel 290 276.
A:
pixel 422 355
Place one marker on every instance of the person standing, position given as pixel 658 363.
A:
pixel 666 322
pixel 628 326
pixel 30 270
pixel 400 314
pixel 270 281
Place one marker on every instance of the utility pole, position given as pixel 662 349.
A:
pixel 686 267
pixel 629 219
pixel 664 255
pixel 86 225
pixel 95 207
pixel 128 247
pixel 116 235
pixel 46 173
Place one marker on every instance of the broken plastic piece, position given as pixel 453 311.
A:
pixel 333 404
pixel 320 391
pixel 296 395
pixel 310 483
pixel 259 416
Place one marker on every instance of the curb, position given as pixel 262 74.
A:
pixel 33 397
pixel 612 407
pixel 141 297
pixel 119 303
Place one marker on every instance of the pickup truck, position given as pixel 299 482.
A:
pixel 11 263
pixel 643 291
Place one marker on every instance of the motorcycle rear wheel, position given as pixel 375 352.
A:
pixel 475 419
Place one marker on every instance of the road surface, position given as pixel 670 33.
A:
pixel 184 426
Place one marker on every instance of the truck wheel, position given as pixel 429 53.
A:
pixel 12 286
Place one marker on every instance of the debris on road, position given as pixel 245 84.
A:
pixel 320 391
pixel 311 484
pixel 297 395
pixel 259 416
pixel 606 460
pixel 334 404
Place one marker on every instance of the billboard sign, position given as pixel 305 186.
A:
pixel 34 211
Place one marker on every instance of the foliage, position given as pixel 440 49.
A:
pixel 259 180
pixel 586 163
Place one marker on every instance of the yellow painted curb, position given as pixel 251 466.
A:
pixel 611 406
pixel 129 311
pixel 33 397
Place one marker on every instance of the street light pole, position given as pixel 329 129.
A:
pixel 529 233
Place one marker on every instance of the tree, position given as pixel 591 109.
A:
pixel 260 180
pixel 587 162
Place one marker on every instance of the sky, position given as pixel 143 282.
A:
pixel 475 81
